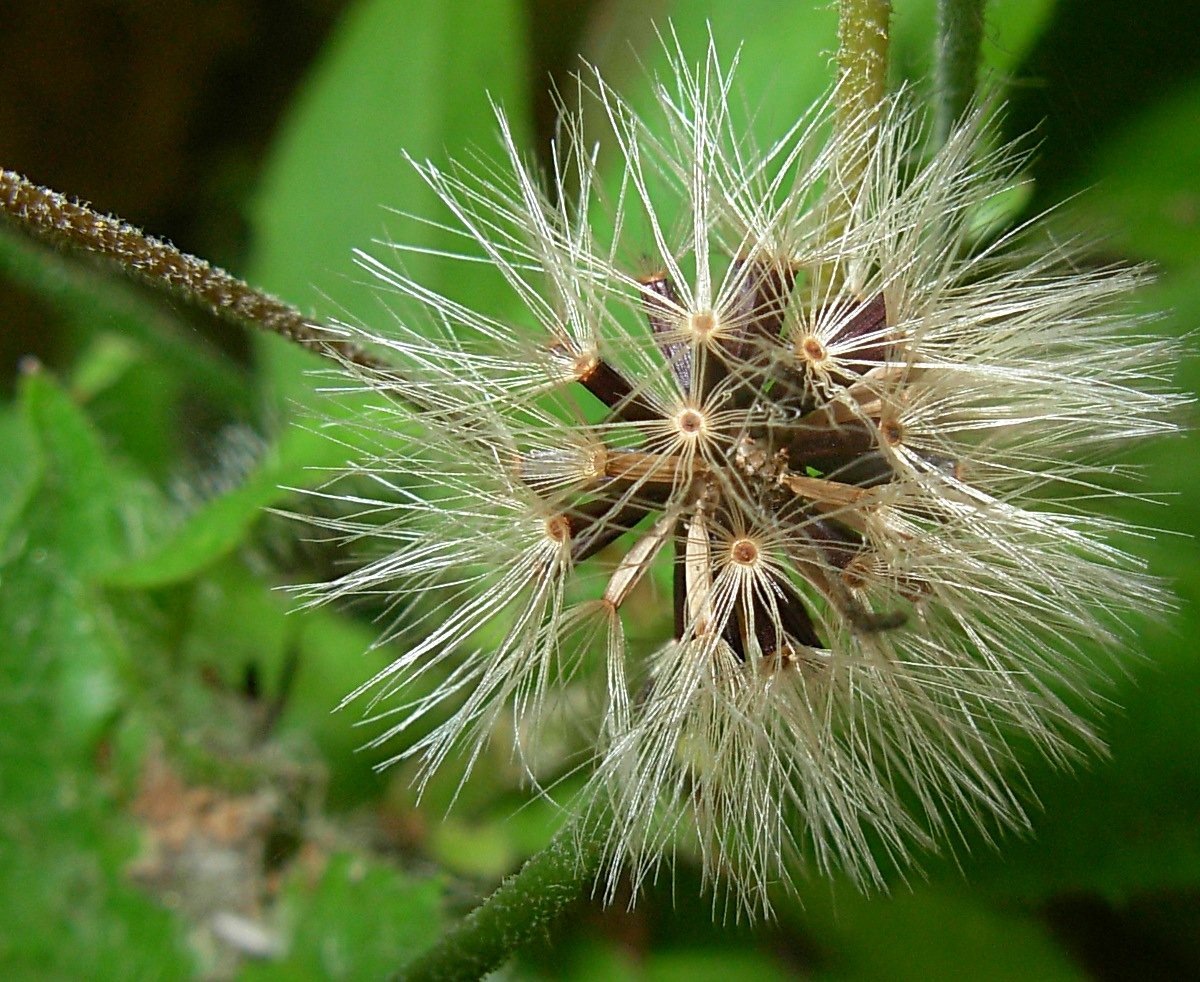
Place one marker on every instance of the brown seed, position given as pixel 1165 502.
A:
pixel 558 528
pixel 812 349
pixel 690 422
pixel 702 324
pixel 744 551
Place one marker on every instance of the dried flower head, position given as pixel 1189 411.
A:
pixel 857 441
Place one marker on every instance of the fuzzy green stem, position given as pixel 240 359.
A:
pixel 862 84
pixel 862 61
pixel 959 37
pixel 73 225
pixel 524 906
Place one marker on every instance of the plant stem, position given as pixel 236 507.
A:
pixel 862 61
pixel 959 36
pixel 523 906
pixel 71 224
pixel 862 84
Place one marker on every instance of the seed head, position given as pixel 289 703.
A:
pixel 858 446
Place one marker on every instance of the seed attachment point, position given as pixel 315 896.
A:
pixel 558 528
pixel 744 552
pixel 812 350
pixel 702 325
pixel 691 423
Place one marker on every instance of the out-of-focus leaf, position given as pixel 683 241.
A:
pixel 786 55
pixel 360 920
pixel 101 364
pixel 785 66
pixel 239 624
pixel 926 934
pixel 1145 193
pixel 99 301
pixel 79 483
pixel 395 78
pixel 19 476
pixel 787 50
pixel 593 961
pixel 69 910
pixel 214 530
pixel 1127 825
pixel 587 961
pixel 333 657
pixel 690 965
pixel 60 645
pixel 219 525
pixel 1131 824
pixel 473 849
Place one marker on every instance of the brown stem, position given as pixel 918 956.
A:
pixel 59 220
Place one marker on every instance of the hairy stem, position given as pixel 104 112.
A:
pixel 862 84
pixel 523 907
pixel 959 35
pixel 73 225
pixel 862 61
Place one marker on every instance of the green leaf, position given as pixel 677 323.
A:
pixel 1127 826
pixel 334 657
pixel 1144 178
pixel 95 300
pixel 929 933
pixel 785 54
pixel 478 850
pixel 70 910
pixel 19 476
pixel 239 622
pixel 395 78
pixel 79 484
pixel 220 525
pixel 361 920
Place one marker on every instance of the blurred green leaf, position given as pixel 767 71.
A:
pixel 479 850
pixel 333 657
pixel 95 300
pixel 87 492
pixel 1145 195
pixel 784 54
pixel 361 920
pixel 143 409
pixel 1127 825
pixel 928 933
pixel 222 523
pixel 69 909
pixel 1131 824
pixel 395 78
pixel 19 477
pixel 716 964
pixel 238 622
pixel 785 50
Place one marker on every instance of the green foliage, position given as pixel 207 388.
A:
pixel 135 621
pixel 70 910
pixel 359 920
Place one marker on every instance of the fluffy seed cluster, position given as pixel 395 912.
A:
pixel 801 468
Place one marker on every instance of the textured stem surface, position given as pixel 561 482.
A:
pixel 959 36
pixel 524 906
pixel 862 83
pixel 73 225
pixel 862 60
